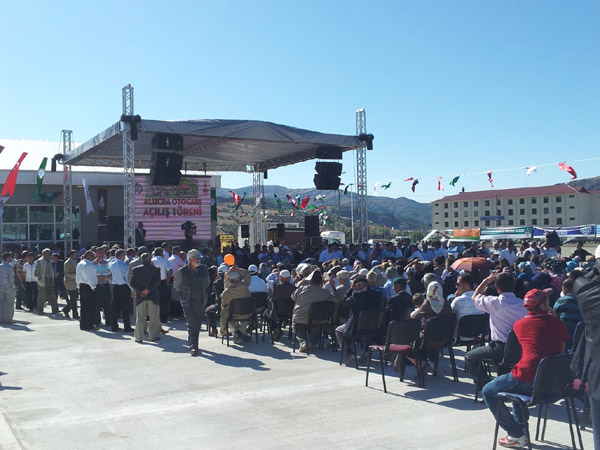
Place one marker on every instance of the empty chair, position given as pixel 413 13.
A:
pixel 370 327
pixel 401 337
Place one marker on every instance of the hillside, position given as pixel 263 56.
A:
pixel 385 213
pixel 591 184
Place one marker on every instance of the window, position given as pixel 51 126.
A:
pixel 446 224
pixel 498 212
pixel 546 210
pixel 476 223
pixel 521 201
pixel 510 222
pixel 498 202
pixel 558 199
pixel 456 204
pixel 487 203
pixel 572 219
pixel 446 215
pixel 546 221
pixel 559 221
pixel 498 223
pixel 475 203
pixel 436 204
pixel 446 205
pixel 437 213
pixel 522 211
pixel 455 214
pixel 534 201
pixel 558 210
pixel 456 223
pixel 522 222
pixel 571 196
pixel 487 212
pixel 510 201
pixel 533 221
pixel 571 207
pixel 437 223
pixel 466 223
pixel 533 210
pixel 510 212
pixel 475 213
pixel 465 204
pixel 487 223
pixel 545 199
pixel 466 213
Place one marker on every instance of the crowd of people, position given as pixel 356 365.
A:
pixel 531 290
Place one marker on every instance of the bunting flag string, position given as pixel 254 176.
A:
pixel 454 181
pixel 409 179
pixel 412 188
pixel 292 201
pixel 304 202
pixel 440 187
pixel 386 186
pixel 530 169
pixel 346 189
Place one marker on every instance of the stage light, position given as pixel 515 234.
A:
pixel 367 139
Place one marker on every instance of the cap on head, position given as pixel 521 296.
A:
pixel 143 249
pixel 252 268
pixel 363 272
pixel 535 297
pixel 46 250
pixel 193 253
pixel 345 261
pixel 223 268
pixel 343 275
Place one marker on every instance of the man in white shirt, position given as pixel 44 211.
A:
pixel 30 282
pixel 257 284
pixel 509 253
pixel 177 260
pixel 165 275
pixel 463 305
pixel 86 279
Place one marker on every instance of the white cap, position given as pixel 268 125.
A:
pixel 363 272
pixel 253 268
pixel 284 274
pixel 223 268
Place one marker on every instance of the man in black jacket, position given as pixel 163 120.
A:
pixel 587 291
pixel 359 298
pixel 145 279
pixel 400 304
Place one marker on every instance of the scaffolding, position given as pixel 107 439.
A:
pixel 258 190
pixel 128 169
pixel 67 143
pixel 361 177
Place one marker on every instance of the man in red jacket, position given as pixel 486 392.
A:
pixel 540 334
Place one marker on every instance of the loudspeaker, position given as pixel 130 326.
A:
pixel 166 141
pixel 328 152
pixel 115 229
pixel 102 232
pixel 311 226
pixel 165 169
pixel 245 231
pixel 280 230
pixel 328 176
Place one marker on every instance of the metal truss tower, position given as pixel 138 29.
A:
pixel 128 170
pixel 67 143
pixel 361 177
pixel 259 207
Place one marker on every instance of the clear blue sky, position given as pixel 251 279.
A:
pixel 449 87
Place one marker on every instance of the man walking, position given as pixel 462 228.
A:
pixel 192 284
pixel 45 281
pixel 70 271
pixel 31 289
pixel 86 279
pixel 7 289
pixel 145 280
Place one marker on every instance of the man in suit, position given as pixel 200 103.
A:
pixel 400 304
pixel 58 269
pixel 140 235
pixel 145 280
pixel 70 271
pixel 45 280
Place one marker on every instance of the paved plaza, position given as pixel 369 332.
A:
pixel 61 388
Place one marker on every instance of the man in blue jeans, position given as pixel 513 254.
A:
pixel 540 335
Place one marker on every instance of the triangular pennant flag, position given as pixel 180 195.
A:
pixel 41 173
pixel 440 187
pixel 489 175
pixel 236 198
pixel 568 169
pixel 305 201
pixel 386 186
pixel 346 188
pixel 375 188
pixel 412 188
pixel 454 181
pixel 530 169
pixel 279 207
pixel 11 179
pixel 88 199
pixel 409 179
pixel 292 201
pixel 321 197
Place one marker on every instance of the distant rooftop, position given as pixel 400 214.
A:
pixel 556 189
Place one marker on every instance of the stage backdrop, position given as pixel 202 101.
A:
pixel 164 209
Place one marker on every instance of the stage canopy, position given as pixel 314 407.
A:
pixel 213 145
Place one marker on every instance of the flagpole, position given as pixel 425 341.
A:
pixel 352 212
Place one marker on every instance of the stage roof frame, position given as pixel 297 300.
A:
pixel 213 145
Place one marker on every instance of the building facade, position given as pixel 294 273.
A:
pixel 545 206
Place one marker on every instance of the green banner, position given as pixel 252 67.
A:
pixel 506 233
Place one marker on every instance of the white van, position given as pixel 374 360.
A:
pixel 333 237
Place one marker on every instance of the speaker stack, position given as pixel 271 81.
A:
pixel 165 167
pixel 328 173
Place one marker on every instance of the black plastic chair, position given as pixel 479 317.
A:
pixel 283 309
pixel 401 338
pixel 261 302
pixel 472 330
pixel 238 308
pixel 438 333
pixel 512 355
pixel 553 379
pixel 320 315
pixel 370 323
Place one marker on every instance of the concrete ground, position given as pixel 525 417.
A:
pixel 61 388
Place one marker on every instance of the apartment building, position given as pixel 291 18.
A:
pixel 545 206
